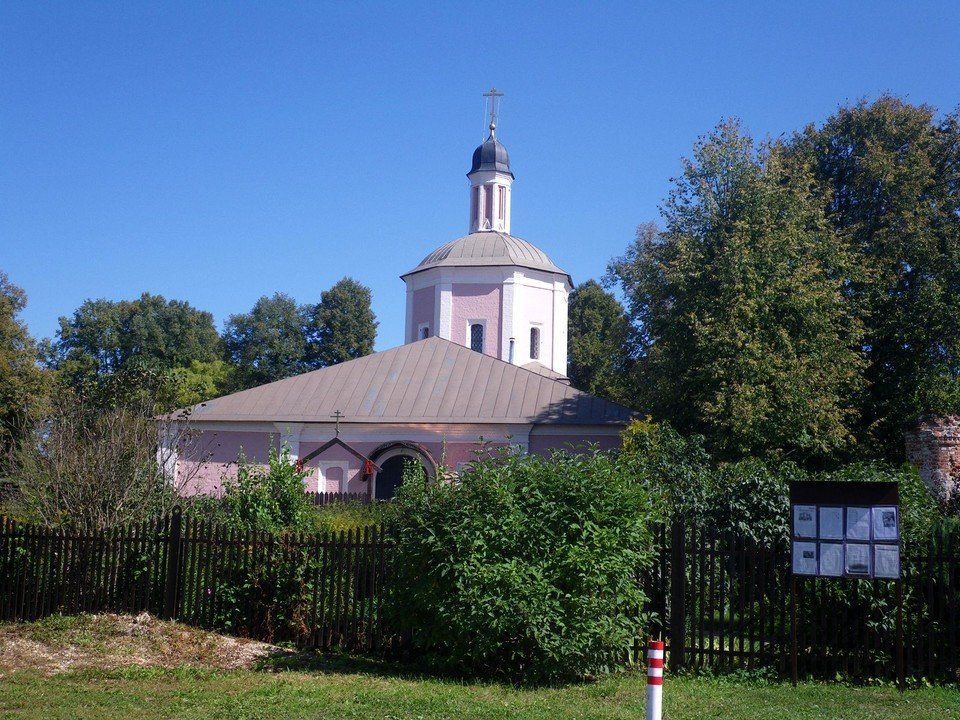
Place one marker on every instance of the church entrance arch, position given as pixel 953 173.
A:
pixel 392 459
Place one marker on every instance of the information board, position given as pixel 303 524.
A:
pixel 845 529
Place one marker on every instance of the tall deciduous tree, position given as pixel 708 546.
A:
pixel 102 336
pixel 598 346
pixel 21 380
pixel 892 175
pixel 342 325
pixel 268 343
pixel 744 331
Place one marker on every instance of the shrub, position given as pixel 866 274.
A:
pixel 676 467
pixel 270 499
pixel 524 566
pixel 751 498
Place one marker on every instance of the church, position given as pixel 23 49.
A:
pixel 483 365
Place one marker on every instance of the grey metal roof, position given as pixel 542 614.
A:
pixel 488 248
pixel 429 381
pixel 541 369
pixel 491 155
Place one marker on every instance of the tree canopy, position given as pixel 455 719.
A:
pixel 21 380
pixel 599 335
pixel 342 324
pixel 279 338
pixel 890 173
pixel 102 336
pixel 268 343
pixel 744 333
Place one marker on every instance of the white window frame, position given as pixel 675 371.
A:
pixel 469 335
pixel 420 328
pixel 325 465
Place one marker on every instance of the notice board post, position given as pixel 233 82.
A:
pixel 845 530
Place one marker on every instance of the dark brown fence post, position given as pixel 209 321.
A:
pixel 678 577
pixel 171 584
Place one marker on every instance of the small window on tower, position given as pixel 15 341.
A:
pixel 488 205
pixel 534 343
pixel 476 337
pixel 424 331
pixel 502 199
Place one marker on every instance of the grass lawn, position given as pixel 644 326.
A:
pixel 247 694
pixel 142 668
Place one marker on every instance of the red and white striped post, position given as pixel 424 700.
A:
pixel 654 680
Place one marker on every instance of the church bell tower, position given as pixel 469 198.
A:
pixel 490 179
pixel 491 291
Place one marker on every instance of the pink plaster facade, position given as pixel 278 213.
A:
pixel 473 302
pixel 210 460
pixel 424 306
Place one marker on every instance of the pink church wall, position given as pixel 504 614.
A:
pixel 424 301
pixel 477 301
pixel 210 458
pixel 536 306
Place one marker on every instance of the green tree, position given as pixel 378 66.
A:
pixel 892 174
pixel 744 332
pixel 21 380
pixel 103 336
pixel 342 325
pixel 201 381
pixel 598 342
pixel 268 343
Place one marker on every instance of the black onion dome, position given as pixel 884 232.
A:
pixel 492 155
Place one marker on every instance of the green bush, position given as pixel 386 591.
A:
pixel 524 566
pixel 270 499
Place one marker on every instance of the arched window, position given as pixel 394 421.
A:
pixel 424 331
pixel 476 337
pixel 534 343
pixel 488 206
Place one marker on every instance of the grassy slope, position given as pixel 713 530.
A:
pixel 111 666
pixel 242 695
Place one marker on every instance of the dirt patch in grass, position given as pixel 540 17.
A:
pixel 63 643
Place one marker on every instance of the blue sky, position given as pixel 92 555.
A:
pixel 218 152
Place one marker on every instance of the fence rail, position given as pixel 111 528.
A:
pixel 330 498
pixel 318 590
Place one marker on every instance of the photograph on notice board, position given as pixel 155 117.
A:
pixel 831 559
pixel 886 561
pixel 858 523
pixel 804 558
pixel 885 523
pixel 856 560
pixel 805 521
pixel 831 522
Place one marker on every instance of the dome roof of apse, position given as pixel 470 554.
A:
pixel 488 249
pixel 491 155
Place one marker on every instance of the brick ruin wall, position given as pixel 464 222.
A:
pixel 934 448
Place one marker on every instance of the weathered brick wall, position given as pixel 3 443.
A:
pixel 934 447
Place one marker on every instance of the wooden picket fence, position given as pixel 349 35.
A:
pixel 331 498
pixel 318 590
pixel 720 601
pixel 723 602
